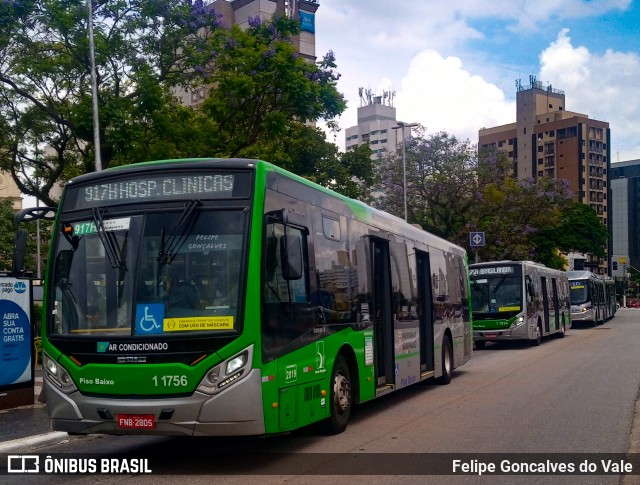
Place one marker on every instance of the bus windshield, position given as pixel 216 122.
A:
pixel 149 273
pixel 496 293
pixel 579 291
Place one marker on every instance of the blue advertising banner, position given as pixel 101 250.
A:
pixel 16 341
pixel 307 22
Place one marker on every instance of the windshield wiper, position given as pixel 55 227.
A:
pixel 169 248
pixel 108 240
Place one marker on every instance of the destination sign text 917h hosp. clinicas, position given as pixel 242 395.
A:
pixel 160 187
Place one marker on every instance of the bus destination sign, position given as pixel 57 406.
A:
pixel 159 187
pixel 491 270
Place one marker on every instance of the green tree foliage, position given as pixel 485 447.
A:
pixel 264 96
pixel 441 181
pixel 142 50
pixel 451 192
pixel 263 88
pixel 513 213
pixel 579 230
pixel 8 234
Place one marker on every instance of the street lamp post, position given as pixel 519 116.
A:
pixel 94 89
pixel 401 126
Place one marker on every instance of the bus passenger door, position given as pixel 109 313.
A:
pixel 556 303
pixel 382 311
pixel 425 313
pixel 545 304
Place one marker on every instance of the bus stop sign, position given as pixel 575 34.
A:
pixel 476 239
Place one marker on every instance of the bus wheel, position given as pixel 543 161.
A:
pixel 447 361
pixel 562 330
pixel 479 344
pixel 341 399
pixel 538 338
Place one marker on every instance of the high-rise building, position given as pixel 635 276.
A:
pixel 625 216
pixel 546 139
pixel 377 125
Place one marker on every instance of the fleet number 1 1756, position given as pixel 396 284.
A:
pixel 170 381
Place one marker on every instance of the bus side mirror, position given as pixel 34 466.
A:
pixel 291 256
pixel 19 251
pixel 531 289
pixel 63 263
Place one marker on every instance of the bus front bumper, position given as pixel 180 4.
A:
pixel 521 332
pixel 581 316
pixel 233 412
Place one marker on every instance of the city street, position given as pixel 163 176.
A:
pixel 575 395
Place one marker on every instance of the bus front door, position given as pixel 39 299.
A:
pixel 382 311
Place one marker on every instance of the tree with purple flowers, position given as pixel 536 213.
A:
pixel 441 182
pixel 453 190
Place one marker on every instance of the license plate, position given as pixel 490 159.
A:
pixel 136 421
pixel 490 335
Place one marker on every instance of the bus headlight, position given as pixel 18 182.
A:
pixel 225 373
pixel 517 322
pixel 58 375
pixel 236 363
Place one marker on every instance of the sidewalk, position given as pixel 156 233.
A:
pixel 27 425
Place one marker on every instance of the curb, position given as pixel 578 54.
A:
pixel 39 439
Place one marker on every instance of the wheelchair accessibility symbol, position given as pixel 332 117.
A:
pixel 149 318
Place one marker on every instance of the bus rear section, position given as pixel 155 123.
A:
pixel 518 300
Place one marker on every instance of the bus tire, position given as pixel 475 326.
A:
pixel 341 397
pixel 480 344
pixel 563 329
pixel 538 338
pixel 447 361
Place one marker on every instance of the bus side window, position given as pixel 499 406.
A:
pixel 271 259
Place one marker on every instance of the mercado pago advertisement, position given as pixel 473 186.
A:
pixel 15 346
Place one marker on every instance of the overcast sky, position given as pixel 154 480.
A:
pixel 453 63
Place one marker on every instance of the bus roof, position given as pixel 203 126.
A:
pixel 581 275
pixel 362 210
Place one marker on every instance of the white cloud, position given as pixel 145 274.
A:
pixel 446 77
pixel 603 87
pixel 440 94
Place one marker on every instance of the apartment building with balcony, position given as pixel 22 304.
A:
pixel 548 140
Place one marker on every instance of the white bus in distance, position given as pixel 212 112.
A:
pixel 518 300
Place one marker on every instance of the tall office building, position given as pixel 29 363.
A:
pixel 546 139
pixel 625 216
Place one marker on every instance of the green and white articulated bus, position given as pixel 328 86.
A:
pixel 230 297
pixel 518 300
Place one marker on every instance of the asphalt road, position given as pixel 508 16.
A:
pixel 575 395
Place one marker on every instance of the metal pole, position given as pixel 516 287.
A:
pixel 624 285
pixel 404 173
pixel 94 89
pixel 39 270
